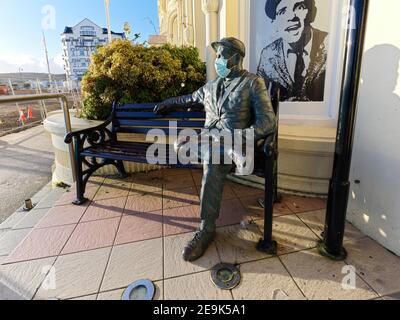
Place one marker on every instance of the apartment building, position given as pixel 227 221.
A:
pixel 79 43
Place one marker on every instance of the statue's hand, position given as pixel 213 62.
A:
pixel 162 108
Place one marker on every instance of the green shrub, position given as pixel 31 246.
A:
pixel 139 74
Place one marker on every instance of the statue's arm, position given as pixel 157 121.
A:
pixel 180 103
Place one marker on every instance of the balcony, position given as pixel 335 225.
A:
pixel 88 33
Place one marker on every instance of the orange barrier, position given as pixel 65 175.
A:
pixel 30 112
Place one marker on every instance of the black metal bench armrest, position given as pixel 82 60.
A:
pixel 269 144
pixel 100 128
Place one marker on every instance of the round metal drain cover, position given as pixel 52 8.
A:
pixel 225 276
pixel 139 290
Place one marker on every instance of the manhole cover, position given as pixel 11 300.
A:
pixel 225 276
pixel 139 290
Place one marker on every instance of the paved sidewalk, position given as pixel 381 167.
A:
pixel 26 159
pixel 136 228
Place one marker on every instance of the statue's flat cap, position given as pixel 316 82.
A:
pixel 231 43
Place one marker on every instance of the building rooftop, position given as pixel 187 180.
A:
pixel 68 30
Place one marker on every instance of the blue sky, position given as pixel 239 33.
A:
pixel 21 27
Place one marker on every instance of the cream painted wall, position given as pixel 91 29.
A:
pixel 374 204
pixel 173 20
pixel 228 22
pixel 199 29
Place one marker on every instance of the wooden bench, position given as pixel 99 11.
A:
pixel 99 146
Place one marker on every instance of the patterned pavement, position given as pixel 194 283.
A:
pixel 136 228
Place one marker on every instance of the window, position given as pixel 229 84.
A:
pixel 88 31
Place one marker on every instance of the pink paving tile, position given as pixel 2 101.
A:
pixel 180 198
pixel 66 198
pixel 146 187
pixel 146 183
pixel 178 182
pixel 232 212
pixel 41 243
pixel 104 209
pixel 111 191
pixel 175 172
pixel 181 220
pixel 92 235
pixel 62 215
pixel 138 227
pixel 145 203
pixel 244 191
pixel 155 174
pixel 117 181
pixel 69 197
pixel 302 204
pixel 281 209
pixel 95 181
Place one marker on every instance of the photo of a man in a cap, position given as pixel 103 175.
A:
pixel 296 61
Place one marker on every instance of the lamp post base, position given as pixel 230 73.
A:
pixel 342 255
pixel 267 247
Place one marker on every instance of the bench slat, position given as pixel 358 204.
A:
pixel 160 123
pixel 125 152
pixel 146 130
pixel 151 115
pixel 128 147
pixel 144 106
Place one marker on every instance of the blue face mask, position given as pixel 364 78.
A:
pixel 221 66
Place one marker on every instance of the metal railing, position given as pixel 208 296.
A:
pixel 64 105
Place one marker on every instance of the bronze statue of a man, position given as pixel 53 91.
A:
pixel 235 100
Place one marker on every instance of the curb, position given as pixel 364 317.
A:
pixel 47 192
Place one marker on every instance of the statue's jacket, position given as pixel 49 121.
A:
pixel 242 103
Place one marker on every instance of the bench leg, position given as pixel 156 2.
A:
pixel 266 244
pixel 121 169
pixel 277 195
pixel 80 184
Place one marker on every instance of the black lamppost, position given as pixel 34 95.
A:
pixel 332 245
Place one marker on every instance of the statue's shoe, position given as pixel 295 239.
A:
pixel 198 245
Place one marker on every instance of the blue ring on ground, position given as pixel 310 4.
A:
pixel 150 290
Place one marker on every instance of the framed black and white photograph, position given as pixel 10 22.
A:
pixel 294 46
pixel 296 60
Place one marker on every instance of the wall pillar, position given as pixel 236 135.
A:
pixel 179 6
pixel 210 9
pixel 229 18
pixel 189 32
